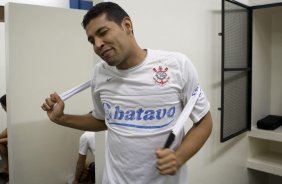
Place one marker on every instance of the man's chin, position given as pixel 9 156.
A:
pixel 110 63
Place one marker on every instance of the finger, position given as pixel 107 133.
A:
pixel 166 162
pixel 43 107
pixel 168 168
pixel 161 153
pixel 56 98
pixel 46 107
pixel 168 171
pixel 167 165
pixel 49 103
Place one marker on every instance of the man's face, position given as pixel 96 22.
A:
pixel 110 41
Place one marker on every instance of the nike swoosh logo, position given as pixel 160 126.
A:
pixel 109 78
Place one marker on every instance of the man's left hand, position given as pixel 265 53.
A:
pixel 167 162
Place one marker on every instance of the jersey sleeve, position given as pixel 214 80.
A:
pixel 83 147
pixel 191 82
pixel 98 110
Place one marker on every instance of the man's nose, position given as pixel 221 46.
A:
pixel 99 43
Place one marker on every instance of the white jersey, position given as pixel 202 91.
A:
pixel 140 106
pixel 87 142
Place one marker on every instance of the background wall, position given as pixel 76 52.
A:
pixel 262 57
pixel 3 117
pixel 46 51
pixel 276 65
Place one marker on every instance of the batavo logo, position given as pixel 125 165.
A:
pixel 139 117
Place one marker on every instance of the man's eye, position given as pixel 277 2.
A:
pixel 91 41
pixel 103 33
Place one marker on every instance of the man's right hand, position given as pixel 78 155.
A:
pixel 54 106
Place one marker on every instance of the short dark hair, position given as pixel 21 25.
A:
pixel 112 10
pixel 3 101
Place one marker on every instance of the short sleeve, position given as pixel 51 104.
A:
pixel 191 82
pixel 83 147
pixel 98 110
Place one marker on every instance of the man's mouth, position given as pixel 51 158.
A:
pixel 105 52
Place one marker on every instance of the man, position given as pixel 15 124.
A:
pixel 4 170
pixel 86 143
pixel 137 95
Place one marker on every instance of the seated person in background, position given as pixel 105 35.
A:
pixel 4 169
pixel 83 173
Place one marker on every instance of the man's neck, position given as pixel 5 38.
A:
pixel 138 56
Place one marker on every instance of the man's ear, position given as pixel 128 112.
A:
pixel 127 25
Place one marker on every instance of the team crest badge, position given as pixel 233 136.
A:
pixel 161 75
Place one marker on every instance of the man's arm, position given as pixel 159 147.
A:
pixel 80 165
pixel 4 134
pixel 169 161
pixel 54 107
pixel 4 140
pixel 82 122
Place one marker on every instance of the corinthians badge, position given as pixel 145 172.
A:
pixel 161 77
